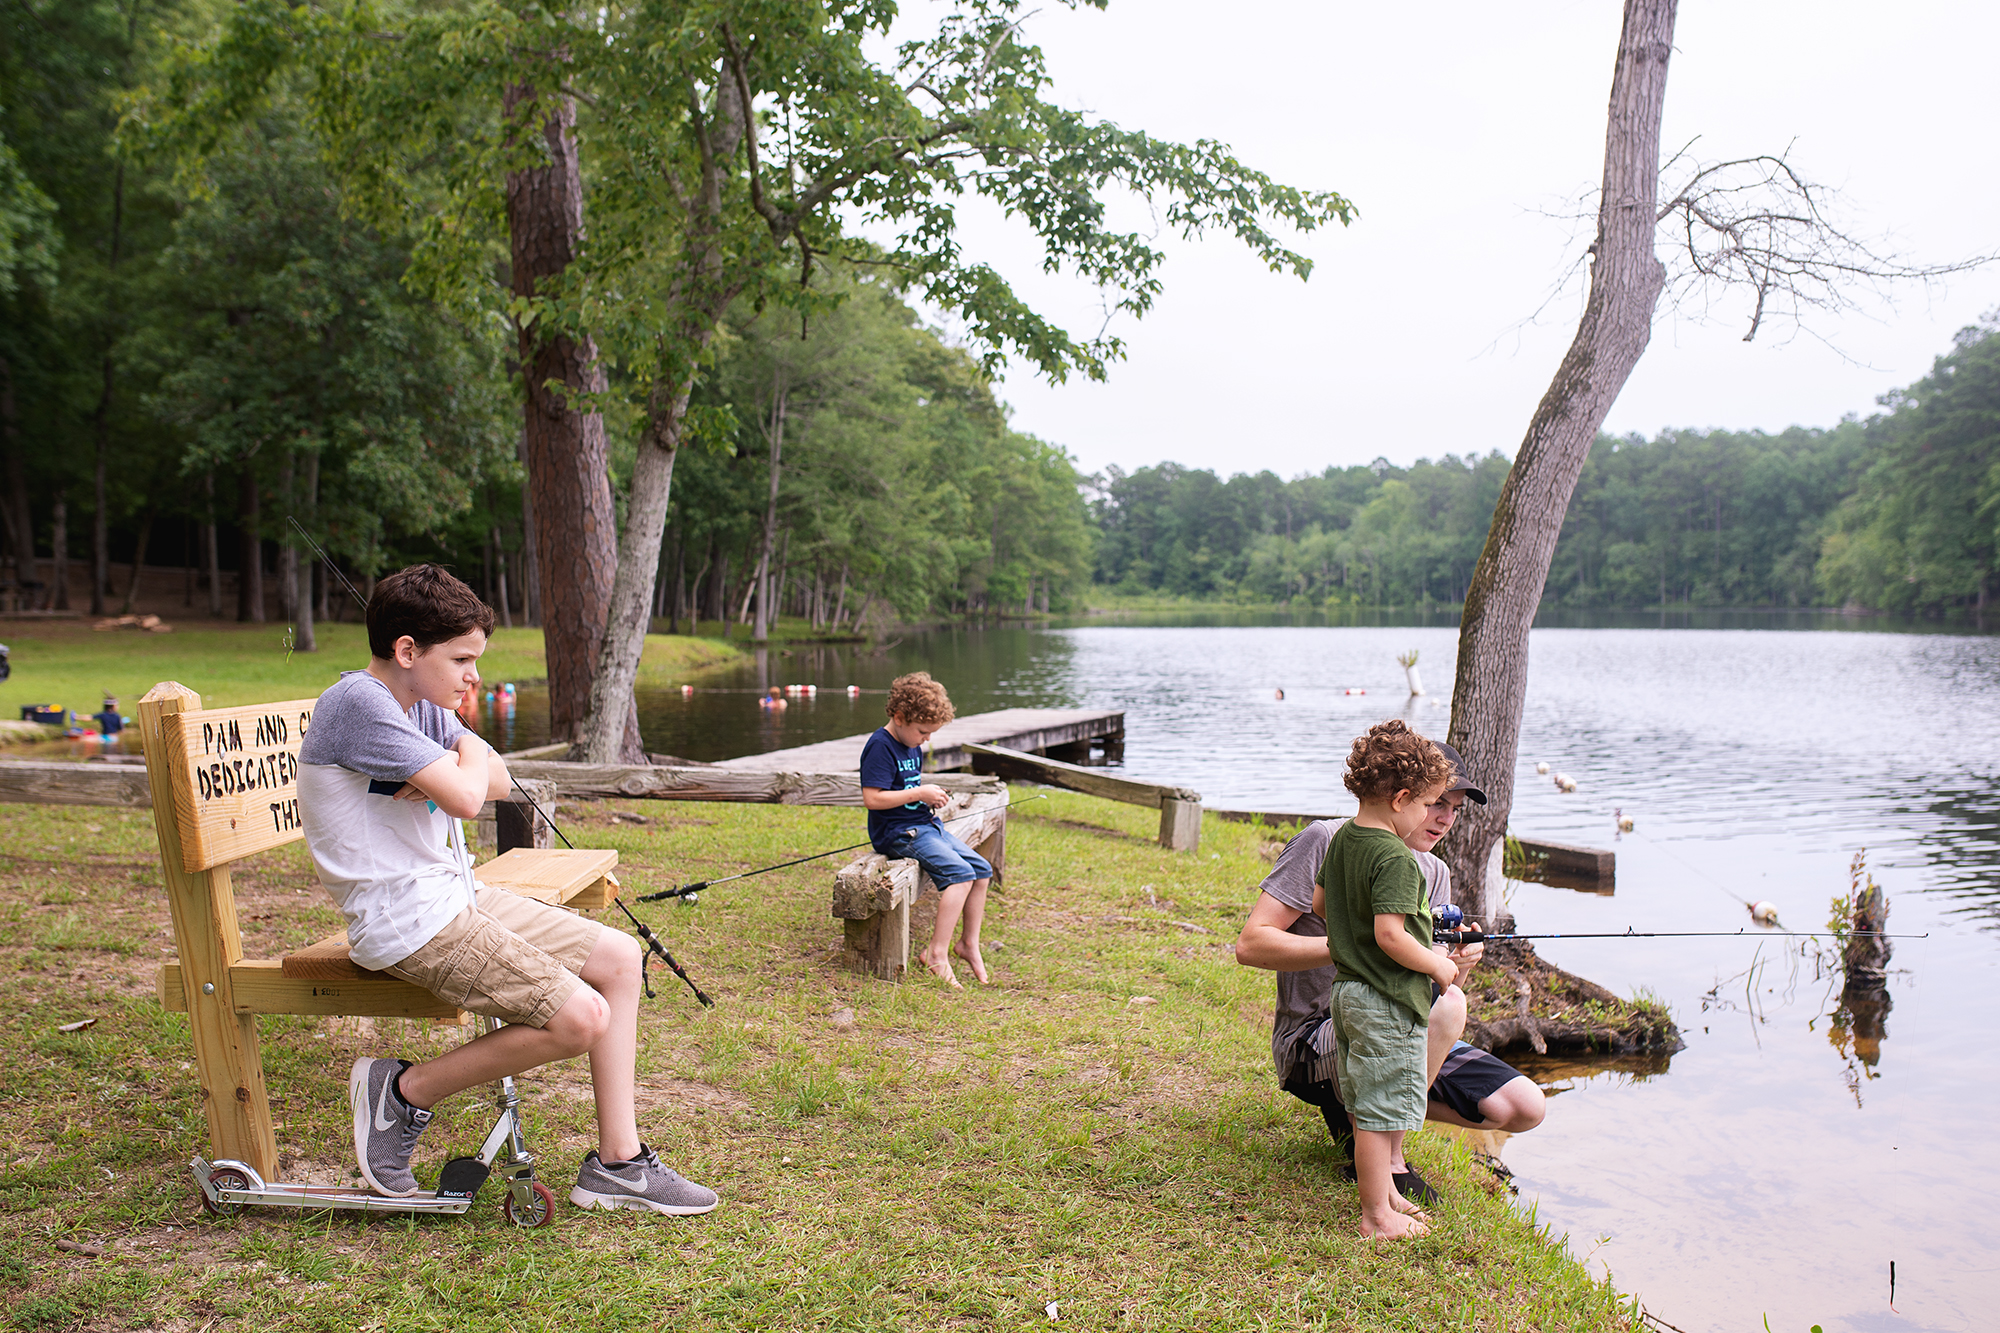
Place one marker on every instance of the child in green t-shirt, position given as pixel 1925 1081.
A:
pixel 1378 927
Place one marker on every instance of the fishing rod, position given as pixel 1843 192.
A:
pixel 653 945
pixel 1450 930
pixel 690 890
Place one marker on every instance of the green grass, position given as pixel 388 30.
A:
pixel 68 664
pixel 948 1160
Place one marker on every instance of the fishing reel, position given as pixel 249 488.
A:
pixel 1448 927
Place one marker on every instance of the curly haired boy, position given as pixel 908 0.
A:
pixel 1378 925
pixel 902 821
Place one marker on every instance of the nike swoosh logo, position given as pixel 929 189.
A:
pixel 381 1103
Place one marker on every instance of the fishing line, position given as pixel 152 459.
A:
pixel 690 890
pixel 334 569
pixel 1451 915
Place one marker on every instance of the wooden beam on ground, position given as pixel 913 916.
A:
pixel 1179 807
pixel 658 782
pixel 54 782
pixel 1563 861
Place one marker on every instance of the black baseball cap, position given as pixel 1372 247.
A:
pixel 1463 782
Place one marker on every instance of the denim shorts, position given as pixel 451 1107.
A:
pixel 944 858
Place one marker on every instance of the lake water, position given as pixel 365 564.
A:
pixel 1771 1169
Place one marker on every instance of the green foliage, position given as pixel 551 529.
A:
pixel 1919 532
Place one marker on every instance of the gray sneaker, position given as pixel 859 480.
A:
pixel 639 1183
pixel 385 1127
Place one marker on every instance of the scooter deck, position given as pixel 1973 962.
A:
pixel 275 1194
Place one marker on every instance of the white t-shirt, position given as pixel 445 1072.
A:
pixel 385 862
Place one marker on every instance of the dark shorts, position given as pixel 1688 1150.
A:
pixel 1467 1077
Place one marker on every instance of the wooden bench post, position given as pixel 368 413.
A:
pixel 1180 824
pixel 203 904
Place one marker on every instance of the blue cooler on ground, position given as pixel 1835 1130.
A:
pixel 46 714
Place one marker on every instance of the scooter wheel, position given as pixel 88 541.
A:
pixel 225 1178
pixel 539 1214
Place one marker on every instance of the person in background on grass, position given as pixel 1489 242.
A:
pixel 383 770
pixel 1286 934
pixel 902 820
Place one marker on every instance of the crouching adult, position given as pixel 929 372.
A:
pixel 1286 934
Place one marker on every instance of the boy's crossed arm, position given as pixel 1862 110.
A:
pixel 464 779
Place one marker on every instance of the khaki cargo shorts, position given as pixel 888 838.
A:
pixel 1378 1058
pixel 518 960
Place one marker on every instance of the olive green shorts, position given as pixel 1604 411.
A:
pixel 1378 1058
pixel 518 960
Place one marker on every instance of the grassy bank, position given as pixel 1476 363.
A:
pixel 68 664
pixel 1097 1130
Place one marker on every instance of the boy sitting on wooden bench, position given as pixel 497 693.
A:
pixel 383 769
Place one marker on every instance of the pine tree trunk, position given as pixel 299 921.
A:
pixel 1625 284
pixel 212 544
pixel 138 563
pixel 531 566
pixel 20 521
pixel 568 463
pixel 304 634
pixel 59 550
pixel 250 548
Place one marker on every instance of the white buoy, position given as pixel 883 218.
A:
pixel 1764 913
pixel 854 691
pixel 1565 783
pixel 1624 820
pixel 1409 664
pixel 1543 769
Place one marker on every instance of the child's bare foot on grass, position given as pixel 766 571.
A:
pixel 972 959
pixel 1405 1207
pixel 940 965
pixel 1394 1224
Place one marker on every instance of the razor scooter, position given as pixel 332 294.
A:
pixel 227 1186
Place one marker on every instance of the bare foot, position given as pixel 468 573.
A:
pixel 1393 1225
pixel 940 966
pixel 972 958
pixel 1404 1206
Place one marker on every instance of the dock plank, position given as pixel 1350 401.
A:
pixel 1015 728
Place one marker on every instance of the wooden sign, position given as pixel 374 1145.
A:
pixel 234 773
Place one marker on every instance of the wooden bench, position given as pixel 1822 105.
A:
pixel 873 895
pixel 223 785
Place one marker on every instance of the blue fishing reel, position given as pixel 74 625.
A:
pixel 1448 927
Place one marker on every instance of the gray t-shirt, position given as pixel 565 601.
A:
pixel 385 862
pixel 1304 998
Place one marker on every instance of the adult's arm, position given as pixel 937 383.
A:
pixel 1267 941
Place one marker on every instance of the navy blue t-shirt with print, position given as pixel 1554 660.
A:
pixel 889 764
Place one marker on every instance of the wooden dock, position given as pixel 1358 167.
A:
pixel 1060 733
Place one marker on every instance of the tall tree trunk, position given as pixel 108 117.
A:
pixel 288 554
pixel 1625 284
pixel 59 550
pixel 20 520
pixel 531 565
pixel 305 632
pixel 611 735
pixel 774 436
pixel 576 539
pixel 500 558
pixel 138 563
pixel 250 548
pixel 100 526
pixel 212 544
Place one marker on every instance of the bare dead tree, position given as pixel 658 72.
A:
pixel 1757 227
pixel 1751 226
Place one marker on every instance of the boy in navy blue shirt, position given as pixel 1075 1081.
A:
pixel 902 820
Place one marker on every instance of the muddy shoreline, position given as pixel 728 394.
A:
pixel 1518 1001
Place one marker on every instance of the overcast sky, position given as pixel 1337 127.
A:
pixel 1457 128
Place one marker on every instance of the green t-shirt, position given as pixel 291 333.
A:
pixel 1368 871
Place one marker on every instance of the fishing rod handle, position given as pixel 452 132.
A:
pixel 1460 938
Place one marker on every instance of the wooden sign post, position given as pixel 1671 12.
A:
pixel 204 911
